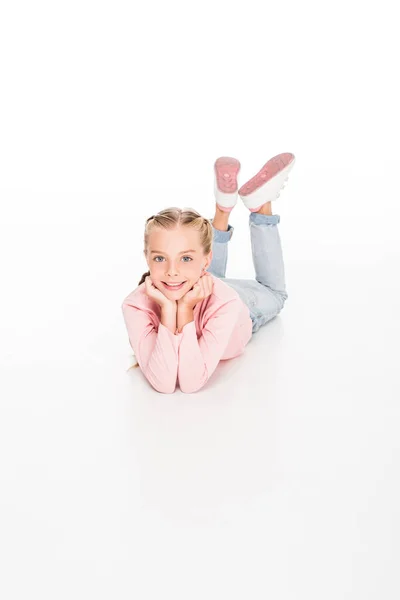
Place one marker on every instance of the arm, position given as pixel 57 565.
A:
pixel 169 317
pixel 184 316
pixel 156 352
pixel 198 358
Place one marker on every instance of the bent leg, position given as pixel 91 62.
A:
pixel 267 252
pixel 266 294
pixel 263 303
pixel 219 259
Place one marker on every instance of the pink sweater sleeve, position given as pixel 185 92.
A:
pixel 198 358
pixel 156 352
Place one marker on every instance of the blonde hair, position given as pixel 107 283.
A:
pixel 171 218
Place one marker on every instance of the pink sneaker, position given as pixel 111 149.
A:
pixel 226 170
pixel 268 183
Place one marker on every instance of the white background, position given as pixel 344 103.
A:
pixel 280 478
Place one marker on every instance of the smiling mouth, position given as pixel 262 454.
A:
pixel 173 287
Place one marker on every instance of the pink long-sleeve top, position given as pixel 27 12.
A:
pixel 221 329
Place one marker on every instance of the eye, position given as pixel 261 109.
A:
pixel 162 257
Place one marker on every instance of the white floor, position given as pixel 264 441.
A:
pixel 279 479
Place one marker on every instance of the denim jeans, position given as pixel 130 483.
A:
pixel 266 294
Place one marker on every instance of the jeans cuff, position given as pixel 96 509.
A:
pixel 222 236
pixel 259 219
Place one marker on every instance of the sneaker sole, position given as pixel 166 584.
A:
pixel 226 170
pixel 266 185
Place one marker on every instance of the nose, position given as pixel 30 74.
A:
pixel 172 271
pixel 172 275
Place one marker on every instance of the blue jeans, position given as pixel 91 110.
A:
pixel 266 294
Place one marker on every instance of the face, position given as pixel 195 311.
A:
pixel 176 256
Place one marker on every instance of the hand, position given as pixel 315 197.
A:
pixel 156 295
pixel 201 290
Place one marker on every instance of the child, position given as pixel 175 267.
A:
pixel 186 316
